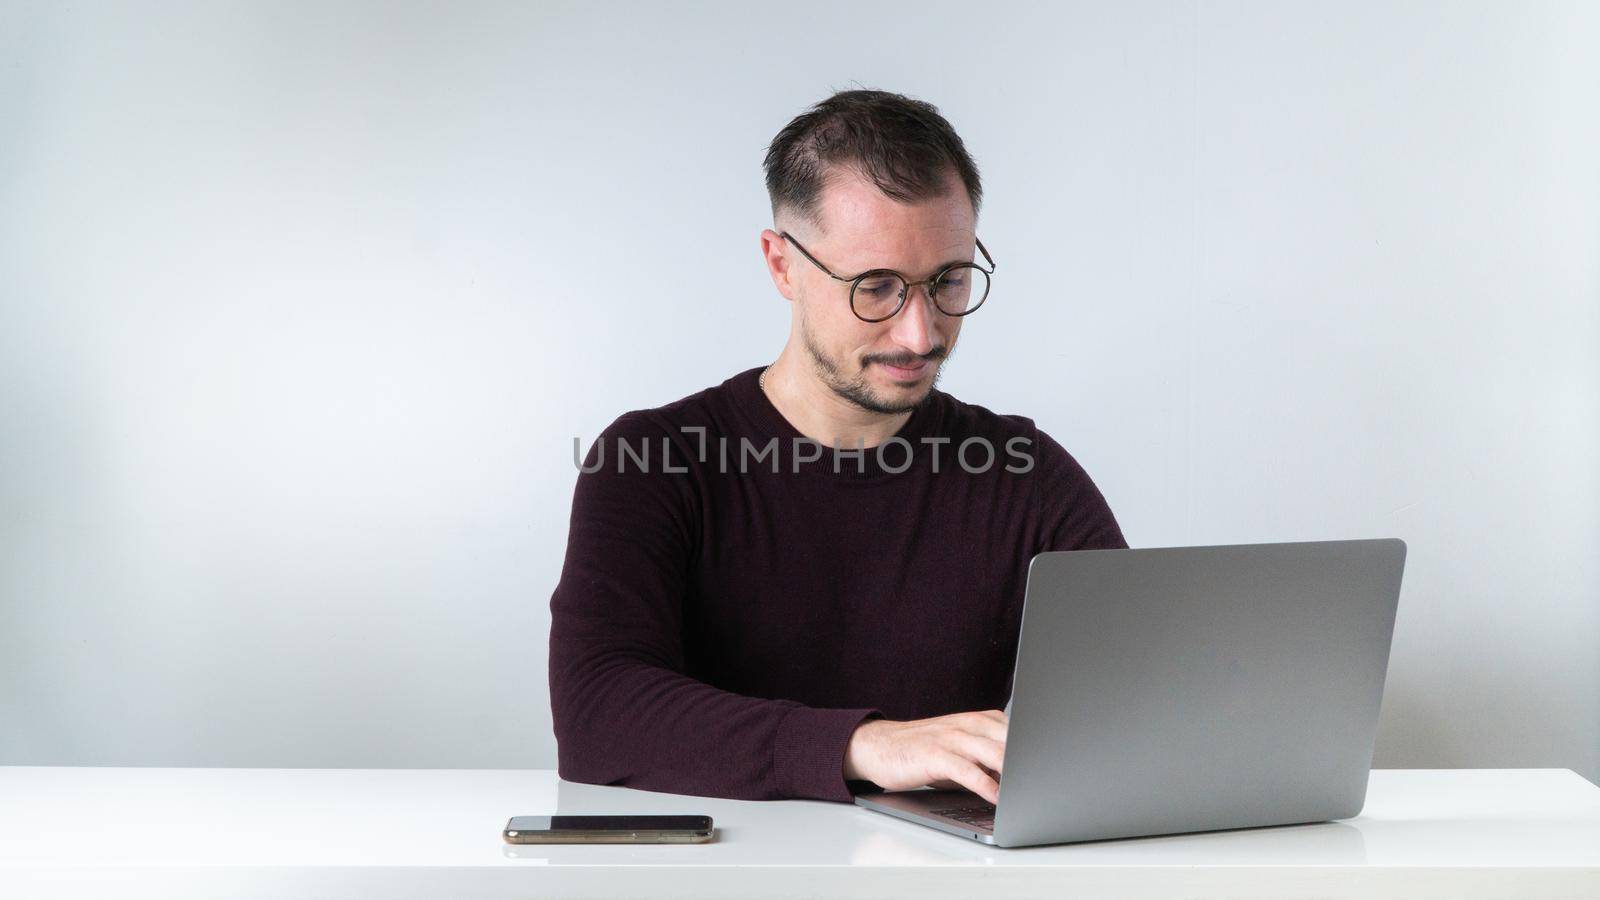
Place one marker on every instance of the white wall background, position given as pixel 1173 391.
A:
pixel 301 306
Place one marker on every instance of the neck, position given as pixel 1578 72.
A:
pixel 817 412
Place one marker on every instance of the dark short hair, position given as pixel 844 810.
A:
pixel 902 145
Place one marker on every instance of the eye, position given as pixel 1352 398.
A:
pixel 877 287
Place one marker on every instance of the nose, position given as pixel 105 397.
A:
pixel 914 324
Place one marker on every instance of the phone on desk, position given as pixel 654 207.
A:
pixel 608 830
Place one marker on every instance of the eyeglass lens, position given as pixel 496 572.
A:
pixel 957 291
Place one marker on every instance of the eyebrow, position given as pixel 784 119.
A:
pixel 940 268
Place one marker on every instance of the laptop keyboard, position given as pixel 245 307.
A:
pixel 980 816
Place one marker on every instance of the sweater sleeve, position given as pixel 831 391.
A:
pixel 623 711
pixel 1073 513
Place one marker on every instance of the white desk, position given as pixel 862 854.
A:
pixel 396 833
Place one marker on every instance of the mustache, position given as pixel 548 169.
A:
pixel 907 359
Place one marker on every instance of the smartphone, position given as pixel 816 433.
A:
pixel 608 830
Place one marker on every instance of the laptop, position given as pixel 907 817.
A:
pixel 1182 689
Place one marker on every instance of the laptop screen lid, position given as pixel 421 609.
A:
pixel 1176 689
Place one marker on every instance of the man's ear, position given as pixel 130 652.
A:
pixel 773 247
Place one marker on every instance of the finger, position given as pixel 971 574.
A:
pixel 967 774
pixel 983 726
pixel 993 715
pixel 989 753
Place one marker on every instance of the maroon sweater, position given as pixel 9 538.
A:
pixel 722 633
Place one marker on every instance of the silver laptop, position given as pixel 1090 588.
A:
pixel 1181 689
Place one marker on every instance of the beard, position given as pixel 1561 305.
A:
pixel 858 390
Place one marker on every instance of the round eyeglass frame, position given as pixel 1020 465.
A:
pixel 906 284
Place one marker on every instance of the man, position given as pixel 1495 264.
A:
pixel 805 582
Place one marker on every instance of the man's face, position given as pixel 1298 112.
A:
pixel 890 366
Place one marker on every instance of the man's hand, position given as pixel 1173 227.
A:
pixel 959 750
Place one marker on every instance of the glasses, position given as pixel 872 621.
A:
pixel 879 294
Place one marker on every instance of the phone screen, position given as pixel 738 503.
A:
pixel 608 823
